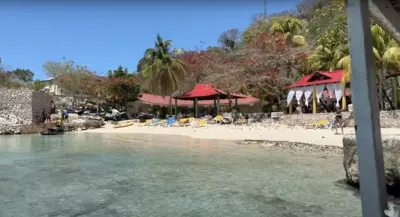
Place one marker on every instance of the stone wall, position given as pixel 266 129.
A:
pixel 21 106
pixel 388 119
pixel 16 102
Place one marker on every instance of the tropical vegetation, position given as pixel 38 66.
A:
pixel 271 53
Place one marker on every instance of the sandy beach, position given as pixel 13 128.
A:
pixel 252 132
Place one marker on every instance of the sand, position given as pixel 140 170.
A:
pixel 252 132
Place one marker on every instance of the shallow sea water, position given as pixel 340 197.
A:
pixel 96 175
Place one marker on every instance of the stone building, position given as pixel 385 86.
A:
pixel 24 105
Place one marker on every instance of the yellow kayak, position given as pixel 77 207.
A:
pixel 123 125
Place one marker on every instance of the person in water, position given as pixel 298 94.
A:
pixel 338 120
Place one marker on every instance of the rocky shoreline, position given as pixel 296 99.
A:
pixel 326 150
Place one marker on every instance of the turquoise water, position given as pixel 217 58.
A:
pixel 154 176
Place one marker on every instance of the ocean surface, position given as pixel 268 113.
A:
pixel 96 175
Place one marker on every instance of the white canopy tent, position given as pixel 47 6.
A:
pixel 307 91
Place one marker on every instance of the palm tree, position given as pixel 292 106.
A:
pixel 387 56
pixel 328 57
pixel 163 75
pixel 151 53
pixel 292 28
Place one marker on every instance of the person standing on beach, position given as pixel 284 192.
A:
pixel 338 120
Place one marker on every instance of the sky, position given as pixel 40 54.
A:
pixel 105 34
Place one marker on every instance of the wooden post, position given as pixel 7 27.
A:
pixel 396 92
pixel 196 108
pixel 290 108
pixel 176 107
pixel 218 105
pixel 365 101
pixel 236 105
pixel 215 105
pixel 314 101
pixel 344 101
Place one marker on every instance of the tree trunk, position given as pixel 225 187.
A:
pixel 395 92
pixel 381 102
pixel 230 101
pixel 170 104
pixel 392 107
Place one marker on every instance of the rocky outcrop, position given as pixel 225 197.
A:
pixel 84 123
pixel 9 124
pixel 391 154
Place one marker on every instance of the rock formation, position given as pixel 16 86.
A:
pixel 391 154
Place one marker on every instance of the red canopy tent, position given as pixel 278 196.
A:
pixel 204 92
pixel 207 92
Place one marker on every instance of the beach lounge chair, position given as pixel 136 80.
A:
pixel 227 118
pixel 320 124
pixel 242 120
pixel 277 115
pixel 162 122
pixel 155 122
pixel 146 123
pixel 183 122
pixel 202 123
pixel 170 122
pixel 218 119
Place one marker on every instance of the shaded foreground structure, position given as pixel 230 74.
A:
pixel 363 83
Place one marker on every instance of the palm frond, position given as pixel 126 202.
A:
pixel 276 28
pixel 391 58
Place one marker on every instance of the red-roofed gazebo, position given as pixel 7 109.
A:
pixel 206 92
pixel 203 92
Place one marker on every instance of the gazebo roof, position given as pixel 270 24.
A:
pixel 318 78
pixel 205 92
